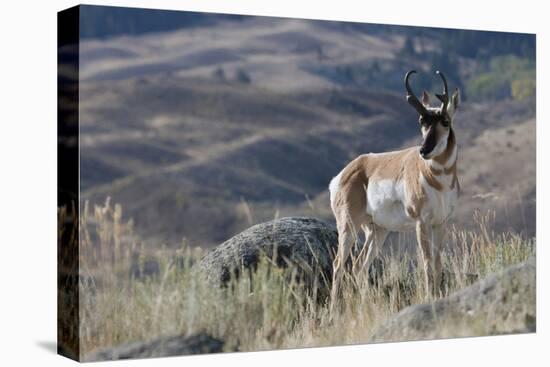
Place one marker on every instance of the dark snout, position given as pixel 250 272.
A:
pixel 429 142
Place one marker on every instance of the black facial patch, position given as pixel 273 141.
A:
pixel 430 142
pixel 433 117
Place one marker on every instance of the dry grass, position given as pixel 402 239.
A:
pixel 119 303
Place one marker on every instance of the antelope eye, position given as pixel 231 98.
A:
pixel 445 122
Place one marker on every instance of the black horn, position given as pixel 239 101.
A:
pixel 444 98
pixel 411 98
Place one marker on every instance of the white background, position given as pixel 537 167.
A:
pixel 28 180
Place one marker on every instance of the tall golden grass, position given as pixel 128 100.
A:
pixel 124 299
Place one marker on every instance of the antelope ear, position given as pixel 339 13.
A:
pixel 425 99
pixel 455 99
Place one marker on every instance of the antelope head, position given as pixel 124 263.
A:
pixel 435 122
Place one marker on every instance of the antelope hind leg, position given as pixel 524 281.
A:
pixel 339 263
pixel 375 237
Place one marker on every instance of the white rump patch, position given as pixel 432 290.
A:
pixel 333 187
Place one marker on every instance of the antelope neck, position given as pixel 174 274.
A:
pixel 443 165
pixel 444 158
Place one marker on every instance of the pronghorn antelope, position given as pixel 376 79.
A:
pixel 415 188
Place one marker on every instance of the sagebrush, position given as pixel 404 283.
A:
pixel 130 291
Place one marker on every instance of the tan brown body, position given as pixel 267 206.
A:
pixel 404 167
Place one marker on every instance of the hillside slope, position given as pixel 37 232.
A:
pixel 201 133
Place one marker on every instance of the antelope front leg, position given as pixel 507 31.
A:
pixel 425 249
pixel 438 239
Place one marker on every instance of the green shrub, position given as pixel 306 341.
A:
pixel 503 77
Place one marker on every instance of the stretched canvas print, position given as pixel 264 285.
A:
pixel 243 183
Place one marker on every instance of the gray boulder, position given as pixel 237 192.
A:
pixel 307 243
pixel 160 347
pixel 502 303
